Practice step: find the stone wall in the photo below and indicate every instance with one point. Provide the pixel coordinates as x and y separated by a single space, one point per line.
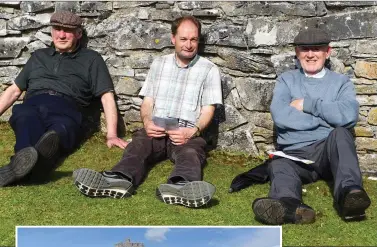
251 42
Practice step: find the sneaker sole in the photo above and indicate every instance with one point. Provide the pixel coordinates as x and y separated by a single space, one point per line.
22 163
272 212
193 194
94 184
48 144
355 205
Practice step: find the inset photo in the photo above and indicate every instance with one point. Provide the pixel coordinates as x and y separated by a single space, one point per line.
173 236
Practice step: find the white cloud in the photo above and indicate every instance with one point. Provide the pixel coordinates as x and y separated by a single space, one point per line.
156 234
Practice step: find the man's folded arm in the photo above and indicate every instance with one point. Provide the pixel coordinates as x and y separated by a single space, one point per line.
9 96
286 116
343 112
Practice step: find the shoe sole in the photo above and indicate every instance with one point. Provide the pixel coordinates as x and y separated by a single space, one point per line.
193 194
21 164
272 212
355 205
48 144
94 184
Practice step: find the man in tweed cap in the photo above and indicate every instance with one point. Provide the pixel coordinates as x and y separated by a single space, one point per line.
180 94
60 82
313 109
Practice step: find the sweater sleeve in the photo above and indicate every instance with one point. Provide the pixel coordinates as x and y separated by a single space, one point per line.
343 112
286 116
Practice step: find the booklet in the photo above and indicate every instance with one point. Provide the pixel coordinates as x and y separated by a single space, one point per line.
166 123
281 154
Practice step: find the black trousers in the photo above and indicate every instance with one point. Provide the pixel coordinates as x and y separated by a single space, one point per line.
335 159
145 151
44 112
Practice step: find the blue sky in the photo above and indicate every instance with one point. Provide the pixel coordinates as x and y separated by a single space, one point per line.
150 236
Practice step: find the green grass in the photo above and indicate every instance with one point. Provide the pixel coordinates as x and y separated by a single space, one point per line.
59 203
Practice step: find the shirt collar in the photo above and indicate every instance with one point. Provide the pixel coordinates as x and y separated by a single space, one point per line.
318 75
192 62
72 54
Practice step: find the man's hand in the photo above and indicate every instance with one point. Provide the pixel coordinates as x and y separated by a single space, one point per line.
153 130
181 135
298 104
115 141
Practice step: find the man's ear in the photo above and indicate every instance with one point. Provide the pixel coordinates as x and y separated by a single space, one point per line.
329 49
172 38
79 33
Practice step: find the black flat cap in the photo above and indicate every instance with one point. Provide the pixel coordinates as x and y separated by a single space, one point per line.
65 19
312 37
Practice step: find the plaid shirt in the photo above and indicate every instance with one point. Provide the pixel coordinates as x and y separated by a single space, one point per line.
180 92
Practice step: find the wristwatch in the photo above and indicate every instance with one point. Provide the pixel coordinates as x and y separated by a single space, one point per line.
197 133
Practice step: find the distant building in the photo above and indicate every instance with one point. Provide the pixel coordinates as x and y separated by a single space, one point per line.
128 243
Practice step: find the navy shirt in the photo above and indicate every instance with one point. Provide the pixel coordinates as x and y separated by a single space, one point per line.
81 74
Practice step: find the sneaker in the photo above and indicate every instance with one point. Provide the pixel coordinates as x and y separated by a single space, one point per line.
190 194
48 144
280 211
20 165
106 184
353 203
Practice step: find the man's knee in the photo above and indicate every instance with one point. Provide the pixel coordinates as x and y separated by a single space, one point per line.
279 166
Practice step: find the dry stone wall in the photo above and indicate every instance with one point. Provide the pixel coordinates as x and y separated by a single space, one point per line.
251 42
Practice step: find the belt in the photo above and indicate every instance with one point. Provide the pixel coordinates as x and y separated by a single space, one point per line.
51 92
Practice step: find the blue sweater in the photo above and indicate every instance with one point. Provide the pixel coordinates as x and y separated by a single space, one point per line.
329 102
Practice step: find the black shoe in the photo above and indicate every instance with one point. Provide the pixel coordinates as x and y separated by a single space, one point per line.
20 165
190 194
48 145
106 184
280 211
353 203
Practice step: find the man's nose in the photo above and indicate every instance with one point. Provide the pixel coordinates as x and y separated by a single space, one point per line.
310 53
61 34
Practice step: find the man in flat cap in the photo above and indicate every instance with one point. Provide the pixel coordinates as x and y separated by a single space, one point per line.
313 109
59 82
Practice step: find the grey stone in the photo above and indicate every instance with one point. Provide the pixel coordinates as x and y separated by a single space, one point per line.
6 13
283 62
162 6
33 46
91 6
121 72
337 65
233 119
206 13
3 27
266 134
164 15
366 46
225 34
255 94
10 3
135 34
26 22
136 101
263 120
227 85
245 62
367 100
366 89
127 86
126 5
237 140
33 7
190 5
350 25
143 14
132 116
9 73
67 6
11 47
46 39
349 3
15 62
368 163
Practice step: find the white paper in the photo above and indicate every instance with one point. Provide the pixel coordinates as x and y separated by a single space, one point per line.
281 154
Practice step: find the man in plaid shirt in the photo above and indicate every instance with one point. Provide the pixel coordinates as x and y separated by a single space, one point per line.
180 94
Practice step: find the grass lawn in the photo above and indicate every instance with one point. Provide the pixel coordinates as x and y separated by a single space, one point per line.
59 203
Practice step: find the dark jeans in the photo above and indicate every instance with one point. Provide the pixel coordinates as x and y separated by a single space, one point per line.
335 159
41 113
145 151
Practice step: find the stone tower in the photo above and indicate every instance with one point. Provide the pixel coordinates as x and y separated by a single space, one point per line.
128 243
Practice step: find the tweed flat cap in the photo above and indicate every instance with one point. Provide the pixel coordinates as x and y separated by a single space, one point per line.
65 19
312 37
